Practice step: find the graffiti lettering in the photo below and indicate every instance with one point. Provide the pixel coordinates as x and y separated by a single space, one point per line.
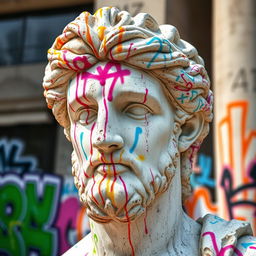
11 159
204 177
28 208
244 79
132 8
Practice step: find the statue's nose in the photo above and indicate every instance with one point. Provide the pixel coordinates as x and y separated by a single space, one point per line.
108 143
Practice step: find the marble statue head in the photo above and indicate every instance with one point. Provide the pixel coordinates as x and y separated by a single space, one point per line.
135 102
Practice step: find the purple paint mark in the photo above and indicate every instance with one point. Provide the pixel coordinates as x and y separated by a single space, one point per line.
66 221
252 247
145 96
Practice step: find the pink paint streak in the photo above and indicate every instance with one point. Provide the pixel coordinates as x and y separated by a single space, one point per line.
145 97
224 249
94 199
91 148
127 216
106 111
102 76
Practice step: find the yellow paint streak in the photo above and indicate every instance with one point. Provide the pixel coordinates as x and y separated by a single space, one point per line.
108 188
98 13
57 54
121 156
101 30
141 157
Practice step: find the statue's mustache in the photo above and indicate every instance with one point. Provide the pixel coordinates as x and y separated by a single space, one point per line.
115 163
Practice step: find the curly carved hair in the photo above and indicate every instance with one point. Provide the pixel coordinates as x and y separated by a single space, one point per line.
111 34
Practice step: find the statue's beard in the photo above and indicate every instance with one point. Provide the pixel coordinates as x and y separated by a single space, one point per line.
125 196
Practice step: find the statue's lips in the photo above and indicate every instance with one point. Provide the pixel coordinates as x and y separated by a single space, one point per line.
111 169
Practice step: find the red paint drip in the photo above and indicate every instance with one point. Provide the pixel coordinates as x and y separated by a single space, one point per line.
127 216
104 177
145 96
86 175
102 158
71 107
95 200
114 168
147 132
79 154
87 117
91 148
129 50
77 85
145 223
153 180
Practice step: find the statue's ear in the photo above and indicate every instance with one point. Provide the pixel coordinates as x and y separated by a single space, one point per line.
190 131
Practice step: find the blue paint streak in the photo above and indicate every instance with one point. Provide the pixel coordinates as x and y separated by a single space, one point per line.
138 131
204 179
217 220
246 245
161 41
189 76
81 142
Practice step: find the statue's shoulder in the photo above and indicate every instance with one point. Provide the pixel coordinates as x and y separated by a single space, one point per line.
82 248
220 237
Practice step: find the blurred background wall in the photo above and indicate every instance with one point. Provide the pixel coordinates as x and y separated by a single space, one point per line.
40 212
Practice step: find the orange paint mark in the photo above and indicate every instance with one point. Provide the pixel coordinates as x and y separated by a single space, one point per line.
120 36
141 157
203 194
101 30
79 223
240 218
88 35
59 43
246 138
104 42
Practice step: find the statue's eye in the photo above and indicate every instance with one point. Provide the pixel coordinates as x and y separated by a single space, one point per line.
137 111
86 116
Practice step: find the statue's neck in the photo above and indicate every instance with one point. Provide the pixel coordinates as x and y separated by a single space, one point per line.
161 231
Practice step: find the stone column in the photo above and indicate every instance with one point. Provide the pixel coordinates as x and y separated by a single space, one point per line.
235 108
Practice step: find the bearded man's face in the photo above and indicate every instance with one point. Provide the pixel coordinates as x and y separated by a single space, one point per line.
121 129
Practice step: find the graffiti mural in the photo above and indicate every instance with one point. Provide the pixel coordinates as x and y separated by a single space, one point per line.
40 213
12 160
203 184
237 180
